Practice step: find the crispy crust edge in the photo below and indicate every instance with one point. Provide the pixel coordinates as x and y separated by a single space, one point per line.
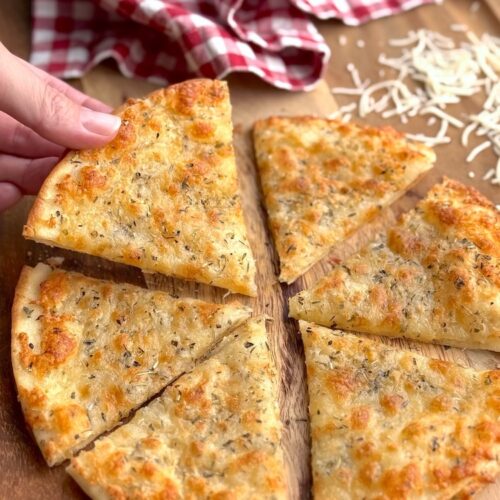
94 491
449 187
21 291
22 287
263 123
295 312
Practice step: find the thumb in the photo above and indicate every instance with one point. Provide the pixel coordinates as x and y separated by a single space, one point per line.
38 104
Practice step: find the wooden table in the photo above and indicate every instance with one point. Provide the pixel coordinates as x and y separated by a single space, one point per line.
23 473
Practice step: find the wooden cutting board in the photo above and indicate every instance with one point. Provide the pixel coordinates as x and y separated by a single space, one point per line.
23 473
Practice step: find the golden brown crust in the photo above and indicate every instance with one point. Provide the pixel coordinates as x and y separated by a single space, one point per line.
462 211
214 433
85 352
323 179
408 427
433 277
162 196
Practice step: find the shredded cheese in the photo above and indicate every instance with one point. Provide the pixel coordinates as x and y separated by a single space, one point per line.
432 71
477 150
488 175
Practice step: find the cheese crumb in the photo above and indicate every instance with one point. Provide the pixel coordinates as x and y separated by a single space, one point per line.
55 261
459 27
475 6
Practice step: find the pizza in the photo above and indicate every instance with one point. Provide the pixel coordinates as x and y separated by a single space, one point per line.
396 425
162 196
323 179
85 352
214 433
433 277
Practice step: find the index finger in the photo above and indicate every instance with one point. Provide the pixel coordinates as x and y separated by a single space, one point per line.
69 91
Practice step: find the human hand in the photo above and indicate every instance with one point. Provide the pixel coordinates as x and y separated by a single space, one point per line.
41 116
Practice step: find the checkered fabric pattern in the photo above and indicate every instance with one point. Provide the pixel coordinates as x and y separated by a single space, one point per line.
166 41
356 12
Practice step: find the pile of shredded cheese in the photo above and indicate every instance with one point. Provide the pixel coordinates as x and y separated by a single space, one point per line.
431 73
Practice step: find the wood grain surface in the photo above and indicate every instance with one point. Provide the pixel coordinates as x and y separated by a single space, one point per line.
23 473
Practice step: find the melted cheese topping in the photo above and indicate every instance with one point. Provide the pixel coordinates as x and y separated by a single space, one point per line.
389 424
86 352
162 196
434 277
214 433
323 179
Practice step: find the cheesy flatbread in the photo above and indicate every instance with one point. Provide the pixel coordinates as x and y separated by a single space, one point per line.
434 277
214 433
86 352
395 425
162 196
323 179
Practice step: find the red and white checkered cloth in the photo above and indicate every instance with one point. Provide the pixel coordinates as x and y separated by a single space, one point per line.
168 41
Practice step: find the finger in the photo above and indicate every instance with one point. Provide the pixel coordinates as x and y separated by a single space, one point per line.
9 195
17 139
68 90
26 173
40 106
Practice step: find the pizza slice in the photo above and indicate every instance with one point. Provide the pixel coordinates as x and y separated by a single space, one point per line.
85 352
434 277
214 433
323 179
396 425
162 196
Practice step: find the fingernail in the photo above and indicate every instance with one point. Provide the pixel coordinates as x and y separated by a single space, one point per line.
99 123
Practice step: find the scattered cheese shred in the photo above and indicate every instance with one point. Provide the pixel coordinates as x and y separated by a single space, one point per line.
432 71
477 150
488 175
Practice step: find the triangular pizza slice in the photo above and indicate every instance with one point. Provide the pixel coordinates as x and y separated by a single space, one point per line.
214 433
397 425
162 196
85 352
323 179
433 277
